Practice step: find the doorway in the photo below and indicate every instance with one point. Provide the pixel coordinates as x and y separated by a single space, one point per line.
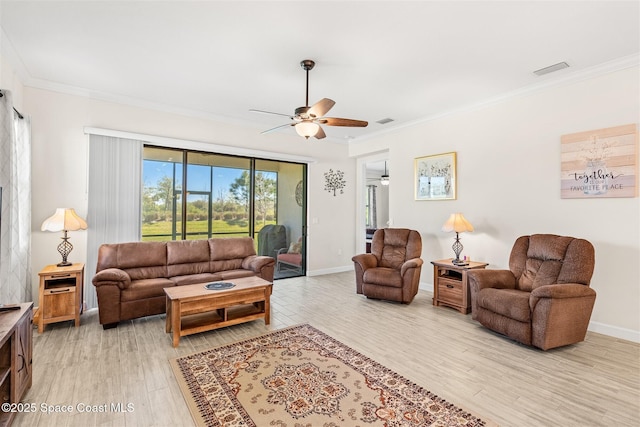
373 193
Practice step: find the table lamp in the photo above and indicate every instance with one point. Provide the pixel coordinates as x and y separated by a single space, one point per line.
459 224
65 219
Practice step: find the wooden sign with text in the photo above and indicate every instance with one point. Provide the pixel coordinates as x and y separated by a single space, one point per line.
600 163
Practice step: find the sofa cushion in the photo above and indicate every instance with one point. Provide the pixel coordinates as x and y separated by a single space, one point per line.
141 260
192 279
383 276
511 303
186 257
235 274
224 265
145 288
231 248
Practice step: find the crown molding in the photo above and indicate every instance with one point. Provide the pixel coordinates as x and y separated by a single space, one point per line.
562 80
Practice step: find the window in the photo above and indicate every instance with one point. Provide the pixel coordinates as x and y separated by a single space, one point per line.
216 195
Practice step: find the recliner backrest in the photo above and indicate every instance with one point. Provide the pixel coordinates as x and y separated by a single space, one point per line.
393 246
544 259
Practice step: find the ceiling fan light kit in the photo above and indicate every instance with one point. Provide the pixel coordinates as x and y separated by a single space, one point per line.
307 119
307 129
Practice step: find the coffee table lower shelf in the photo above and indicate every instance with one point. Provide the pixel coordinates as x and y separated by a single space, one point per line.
207 321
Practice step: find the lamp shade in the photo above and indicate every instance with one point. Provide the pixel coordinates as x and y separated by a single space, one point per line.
307 128
458 223
64 219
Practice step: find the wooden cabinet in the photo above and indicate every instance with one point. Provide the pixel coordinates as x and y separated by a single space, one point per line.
450 286
60 296
15 357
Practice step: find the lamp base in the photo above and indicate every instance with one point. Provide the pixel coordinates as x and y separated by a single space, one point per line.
64 248
457 249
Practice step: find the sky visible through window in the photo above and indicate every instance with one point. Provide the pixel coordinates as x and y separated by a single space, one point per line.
154 171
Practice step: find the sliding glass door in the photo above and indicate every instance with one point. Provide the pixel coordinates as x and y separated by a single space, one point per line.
226 196
280 215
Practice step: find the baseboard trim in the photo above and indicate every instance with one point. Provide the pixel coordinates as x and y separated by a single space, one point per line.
424 286
332 270
614 331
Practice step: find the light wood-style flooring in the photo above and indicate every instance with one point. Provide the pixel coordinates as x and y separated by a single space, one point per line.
594 383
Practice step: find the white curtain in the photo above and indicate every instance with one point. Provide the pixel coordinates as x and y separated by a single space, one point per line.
15 216
113 216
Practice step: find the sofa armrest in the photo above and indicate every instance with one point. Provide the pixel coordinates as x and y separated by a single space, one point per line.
112 276
500 279
256 263
365 261
412 263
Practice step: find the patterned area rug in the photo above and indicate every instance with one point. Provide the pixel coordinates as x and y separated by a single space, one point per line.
301 377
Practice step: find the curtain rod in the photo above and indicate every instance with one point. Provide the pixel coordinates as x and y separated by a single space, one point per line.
20 116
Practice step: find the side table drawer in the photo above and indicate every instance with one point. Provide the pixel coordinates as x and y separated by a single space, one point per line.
59 301
450 290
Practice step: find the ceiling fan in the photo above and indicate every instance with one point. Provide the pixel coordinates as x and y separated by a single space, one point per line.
307 119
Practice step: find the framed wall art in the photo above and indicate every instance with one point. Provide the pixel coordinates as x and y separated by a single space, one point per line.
435 177
600 163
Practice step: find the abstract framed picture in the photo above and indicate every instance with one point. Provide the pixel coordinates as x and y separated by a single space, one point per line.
600 163
435 177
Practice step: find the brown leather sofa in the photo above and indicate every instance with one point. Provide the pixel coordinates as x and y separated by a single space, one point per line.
392 270
544 299
131 277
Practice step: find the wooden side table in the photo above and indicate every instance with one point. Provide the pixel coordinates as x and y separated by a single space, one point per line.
60 296
450 286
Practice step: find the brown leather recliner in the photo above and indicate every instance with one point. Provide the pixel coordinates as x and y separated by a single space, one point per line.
544 299
392 270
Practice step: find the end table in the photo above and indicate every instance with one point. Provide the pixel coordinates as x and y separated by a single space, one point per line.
60 296
450 286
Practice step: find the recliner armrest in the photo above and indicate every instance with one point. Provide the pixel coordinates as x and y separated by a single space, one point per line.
412 263
112 276
563 290
501 279
365 261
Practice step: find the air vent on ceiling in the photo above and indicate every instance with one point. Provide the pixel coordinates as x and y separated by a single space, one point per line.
385 121
551 68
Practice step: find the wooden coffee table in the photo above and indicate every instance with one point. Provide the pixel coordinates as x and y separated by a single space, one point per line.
193 308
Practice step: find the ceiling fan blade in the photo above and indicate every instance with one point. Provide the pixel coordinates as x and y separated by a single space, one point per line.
276 128
321 107
320 134
271 112
335 121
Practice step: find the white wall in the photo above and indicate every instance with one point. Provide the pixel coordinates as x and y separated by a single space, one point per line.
9 80
509 185
60 154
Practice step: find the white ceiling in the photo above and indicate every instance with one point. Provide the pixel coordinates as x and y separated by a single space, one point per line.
377 59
